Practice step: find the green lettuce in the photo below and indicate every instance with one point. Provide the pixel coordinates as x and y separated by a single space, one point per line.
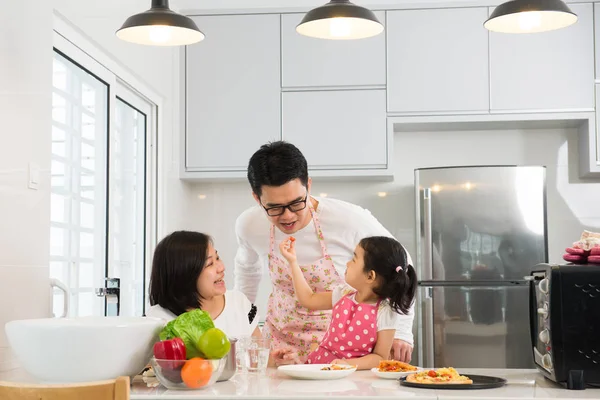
189 327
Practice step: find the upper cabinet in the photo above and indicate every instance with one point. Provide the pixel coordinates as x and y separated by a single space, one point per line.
233 98
310 62
597 38
338 129
550 71
437 61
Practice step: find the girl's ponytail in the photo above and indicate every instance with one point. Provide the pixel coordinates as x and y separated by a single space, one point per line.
397 279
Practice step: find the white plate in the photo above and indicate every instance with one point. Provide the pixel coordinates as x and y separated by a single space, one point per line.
393 375
313 371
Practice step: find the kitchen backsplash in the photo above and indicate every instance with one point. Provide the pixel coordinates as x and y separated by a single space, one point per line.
213 208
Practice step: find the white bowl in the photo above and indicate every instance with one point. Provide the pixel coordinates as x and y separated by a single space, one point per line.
66 350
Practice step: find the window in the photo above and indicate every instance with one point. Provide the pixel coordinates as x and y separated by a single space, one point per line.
101 178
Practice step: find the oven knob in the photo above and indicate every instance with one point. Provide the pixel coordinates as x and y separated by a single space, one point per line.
544 336
544 285
547 361
543 310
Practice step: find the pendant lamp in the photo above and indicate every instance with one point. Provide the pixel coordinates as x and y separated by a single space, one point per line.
340 20
530 16
159 26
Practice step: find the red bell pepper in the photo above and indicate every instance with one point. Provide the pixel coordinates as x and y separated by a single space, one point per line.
173 350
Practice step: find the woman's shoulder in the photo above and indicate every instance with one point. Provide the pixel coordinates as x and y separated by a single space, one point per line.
157 311
233 296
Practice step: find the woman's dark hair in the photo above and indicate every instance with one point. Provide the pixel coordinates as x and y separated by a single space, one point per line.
275 164
178 260
384 255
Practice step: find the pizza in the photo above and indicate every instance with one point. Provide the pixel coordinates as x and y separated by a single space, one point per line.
395 366
439 376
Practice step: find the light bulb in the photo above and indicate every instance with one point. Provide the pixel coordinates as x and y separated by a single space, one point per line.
159 34
340 27
530 20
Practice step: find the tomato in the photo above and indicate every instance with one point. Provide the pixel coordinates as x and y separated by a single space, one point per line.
196 372
431 373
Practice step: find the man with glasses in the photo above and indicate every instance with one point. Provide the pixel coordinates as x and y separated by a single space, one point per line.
326 232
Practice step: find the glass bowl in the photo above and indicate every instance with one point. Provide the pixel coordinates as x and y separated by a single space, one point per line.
191 374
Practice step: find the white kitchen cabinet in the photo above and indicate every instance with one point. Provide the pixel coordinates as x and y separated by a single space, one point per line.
337 130
310 62
549 71
597 38
589 145
437 61
233 97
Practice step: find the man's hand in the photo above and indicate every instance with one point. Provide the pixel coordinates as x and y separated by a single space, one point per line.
401 351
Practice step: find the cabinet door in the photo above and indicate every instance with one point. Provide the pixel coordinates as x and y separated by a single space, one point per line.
310 62
549 71
597 37
437 60
343 129
233 99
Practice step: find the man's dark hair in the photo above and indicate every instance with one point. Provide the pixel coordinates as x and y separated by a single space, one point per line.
275 164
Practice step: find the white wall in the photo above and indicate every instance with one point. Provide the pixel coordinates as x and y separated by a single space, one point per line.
25 112
25 107
571 202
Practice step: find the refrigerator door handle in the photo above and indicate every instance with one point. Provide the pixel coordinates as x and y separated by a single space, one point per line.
428 342
487 283
427 270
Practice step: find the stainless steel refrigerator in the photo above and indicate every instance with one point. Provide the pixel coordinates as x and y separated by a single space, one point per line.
479 231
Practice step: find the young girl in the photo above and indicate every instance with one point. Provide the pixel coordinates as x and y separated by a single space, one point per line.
381 285
187 273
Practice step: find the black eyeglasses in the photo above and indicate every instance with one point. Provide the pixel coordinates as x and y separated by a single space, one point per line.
293 207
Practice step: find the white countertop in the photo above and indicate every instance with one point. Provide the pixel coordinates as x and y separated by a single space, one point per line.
522 384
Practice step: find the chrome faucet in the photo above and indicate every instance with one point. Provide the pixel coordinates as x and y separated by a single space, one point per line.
112 296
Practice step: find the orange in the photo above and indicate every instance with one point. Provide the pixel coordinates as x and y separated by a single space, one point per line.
196 372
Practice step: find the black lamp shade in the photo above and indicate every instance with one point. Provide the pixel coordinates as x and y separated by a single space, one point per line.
160 26
530 16
340 20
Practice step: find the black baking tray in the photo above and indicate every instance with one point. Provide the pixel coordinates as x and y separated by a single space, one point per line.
479 382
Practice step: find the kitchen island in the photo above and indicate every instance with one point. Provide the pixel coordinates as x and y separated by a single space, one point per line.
522 384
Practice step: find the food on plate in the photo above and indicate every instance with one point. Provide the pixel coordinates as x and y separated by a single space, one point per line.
439 376
337 367
395 366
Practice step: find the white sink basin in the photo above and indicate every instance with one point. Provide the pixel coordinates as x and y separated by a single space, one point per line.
66 350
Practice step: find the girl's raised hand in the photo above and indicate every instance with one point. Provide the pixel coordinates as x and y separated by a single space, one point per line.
287 249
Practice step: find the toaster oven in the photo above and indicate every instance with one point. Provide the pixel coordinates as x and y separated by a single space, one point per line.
564 313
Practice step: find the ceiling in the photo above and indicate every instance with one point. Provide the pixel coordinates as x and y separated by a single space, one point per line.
190 5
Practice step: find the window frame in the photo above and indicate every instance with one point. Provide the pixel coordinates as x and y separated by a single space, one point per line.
74 45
